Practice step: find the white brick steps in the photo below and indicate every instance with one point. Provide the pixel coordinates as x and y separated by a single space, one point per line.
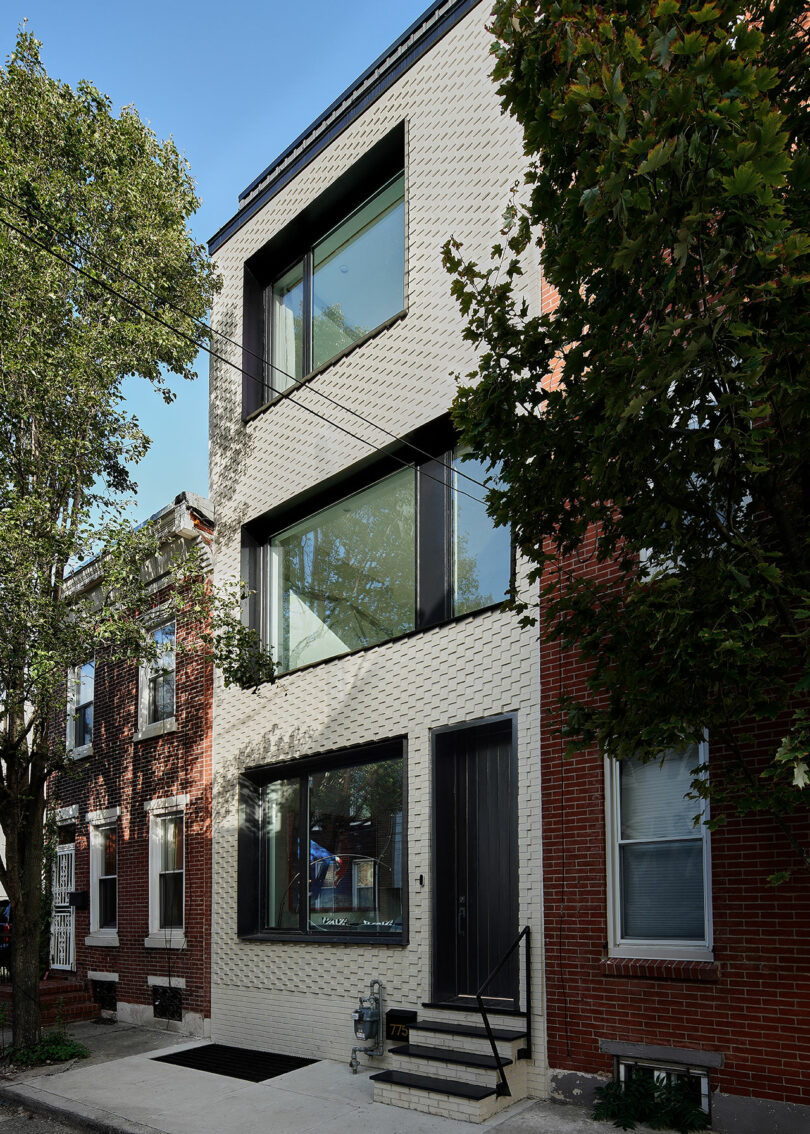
437 1086
479 1031
451 1070
448 1055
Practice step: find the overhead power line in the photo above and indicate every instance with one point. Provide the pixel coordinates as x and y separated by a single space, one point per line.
214 331
221 358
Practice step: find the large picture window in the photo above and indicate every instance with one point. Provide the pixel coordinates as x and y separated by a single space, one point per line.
331 847
345 578
660 868
406 552
343 287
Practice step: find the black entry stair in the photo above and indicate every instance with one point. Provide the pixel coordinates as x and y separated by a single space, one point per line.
438 1086
448 1067
447 1055
505 1034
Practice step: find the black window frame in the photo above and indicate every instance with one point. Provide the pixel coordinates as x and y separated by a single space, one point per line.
368 176
306 260
433 542
251 857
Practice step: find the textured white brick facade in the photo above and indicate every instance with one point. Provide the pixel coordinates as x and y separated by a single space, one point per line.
461 158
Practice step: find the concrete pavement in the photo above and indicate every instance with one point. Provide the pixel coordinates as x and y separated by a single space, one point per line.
122 1090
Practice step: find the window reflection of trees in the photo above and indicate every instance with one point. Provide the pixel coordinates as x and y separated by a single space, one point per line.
354 570
354 873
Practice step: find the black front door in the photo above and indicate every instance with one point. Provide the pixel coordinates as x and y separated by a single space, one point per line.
475 862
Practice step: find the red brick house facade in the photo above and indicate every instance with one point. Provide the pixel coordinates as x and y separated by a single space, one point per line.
734 1008
132 882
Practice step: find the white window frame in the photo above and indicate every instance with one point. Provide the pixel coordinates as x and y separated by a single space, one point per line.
73 677
174 938
663 1073
640 948
146 728
99 821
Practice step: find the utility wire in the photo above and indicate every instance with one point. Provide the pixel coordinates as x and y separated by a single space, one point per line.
221 358
233 342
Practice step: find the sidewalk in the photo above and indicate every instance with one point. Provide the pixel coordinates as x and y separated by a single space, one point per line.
122 1090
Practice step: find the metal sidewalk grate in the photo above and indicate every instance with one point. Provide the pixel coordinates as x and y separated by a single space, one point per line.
236 1062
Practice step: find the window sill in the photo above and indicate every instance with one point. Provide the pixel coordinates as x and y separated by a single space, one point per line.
82 752
156 728
648 968
276 398
102 940
166 939
322 938
456 618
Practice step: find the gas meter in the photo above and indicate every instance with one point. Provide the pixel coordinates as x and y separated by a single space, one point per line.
366 1019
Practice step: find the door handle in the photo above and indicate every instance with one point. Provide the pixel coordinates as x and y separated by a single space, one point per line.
462 917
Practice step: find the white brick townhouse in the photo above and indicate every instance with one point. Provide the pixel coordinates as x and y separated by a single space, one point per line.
377 809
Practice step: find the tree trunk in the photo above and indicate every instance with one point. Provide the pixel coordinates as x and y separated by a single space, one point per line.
24 850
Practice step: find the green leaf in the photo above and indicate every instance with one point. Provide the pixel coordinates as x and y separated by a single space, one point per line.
709 12
658 156
745 180
633 45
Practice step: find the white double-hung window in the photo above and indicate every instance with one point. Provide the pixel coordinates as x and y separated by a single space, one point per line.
156 692
167 873
80 695
103 877
658 857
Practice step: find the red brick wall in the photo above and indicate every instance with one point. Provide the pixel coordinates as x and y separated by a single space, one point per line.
753 1004
126 774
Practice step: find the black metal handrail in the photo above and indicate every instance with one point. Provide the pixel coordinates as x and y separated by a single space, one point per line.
525 1052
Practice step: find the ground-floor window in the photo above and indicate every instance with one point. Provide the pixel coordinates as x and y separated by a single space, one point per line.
330 845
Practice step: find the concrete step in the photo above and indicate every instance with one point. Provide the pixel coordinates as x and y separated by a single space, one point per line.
430 1094
448 1055
468 1037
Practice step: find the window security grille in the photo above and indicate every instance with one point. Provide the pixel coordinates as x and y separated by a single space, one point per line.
105 994
167 1003
695 1078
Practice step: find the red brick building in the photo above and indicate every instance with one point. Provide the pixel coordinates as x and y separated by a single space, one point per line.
665 947
132 883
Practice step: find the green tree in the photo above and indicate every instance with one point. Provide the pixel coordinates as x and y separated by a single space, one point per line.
81 189
665 403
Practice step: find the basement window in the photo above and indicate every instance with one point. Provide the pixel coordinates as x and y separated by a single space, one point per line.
167 1003
695 1079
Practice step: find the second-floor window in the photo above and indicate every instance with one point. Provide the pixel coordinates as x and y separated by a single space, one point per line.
160 676
81 692
411 550
344 286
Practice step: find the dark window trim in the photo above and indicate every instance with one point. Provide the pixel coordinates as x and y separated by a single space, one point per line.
291 390
436 437
250 880
492 609
433 542
355 101
369 174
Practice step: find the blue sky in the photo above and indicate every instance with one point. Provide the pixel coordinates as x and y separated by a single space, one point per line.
234 84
